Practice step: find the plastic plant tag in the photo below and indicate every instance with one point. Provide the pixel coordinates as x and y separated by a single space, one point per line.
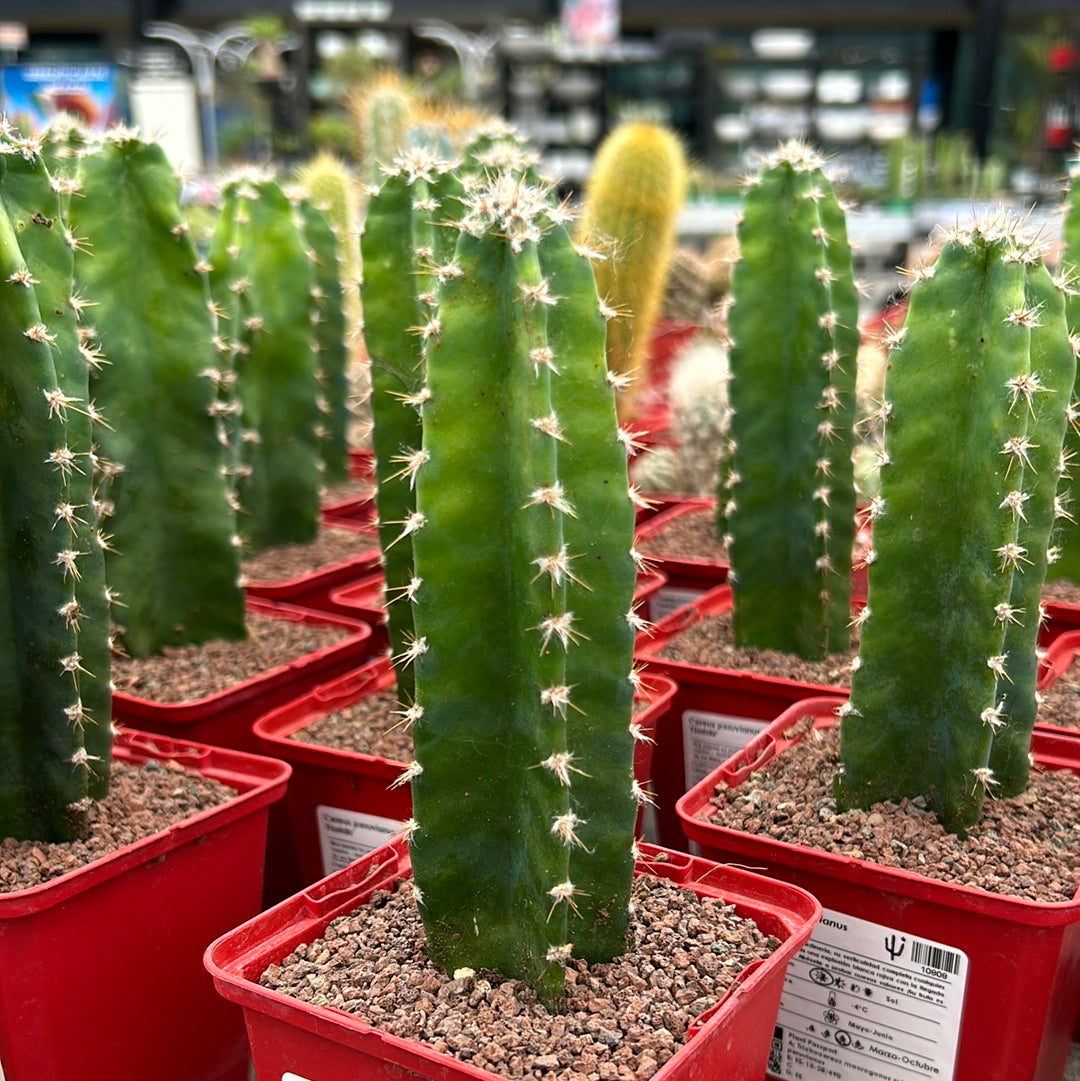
861 999
711 738
670 599
346 835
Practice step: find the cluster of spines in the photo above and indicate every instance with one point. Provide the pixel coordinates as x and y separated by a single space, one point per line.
786 504
976 407
512 249
56 733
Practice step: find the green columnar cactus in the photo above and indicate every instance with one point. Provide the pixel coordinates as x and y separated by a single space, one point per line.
328 342
788 500
976 401
632 196
1065 557
505 785
54 752
592 463
261 279
27 187
178 583
402 250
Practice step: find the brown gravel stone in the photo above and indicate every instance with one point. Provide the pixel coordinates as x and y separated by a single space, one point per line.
188 673
691 535
374 964
285 562
1028 846
142 800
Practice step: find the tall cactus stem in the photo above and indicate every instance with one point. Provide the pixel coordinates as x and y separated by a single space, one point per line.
787 502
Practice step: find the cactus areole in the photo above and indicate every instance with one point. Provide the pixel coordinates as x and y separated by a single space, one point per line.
943 692
523 791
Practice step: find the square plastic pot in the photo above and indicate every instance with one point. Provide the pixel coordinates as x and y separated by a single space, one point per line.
341 803
224 718
717 710
101 975
293 1040
710 572
312 589
963 985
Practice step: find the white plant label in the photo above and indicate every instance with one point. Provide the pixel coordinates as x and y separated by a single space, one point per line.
345 836
710 738
287 1076
670 599
862 1001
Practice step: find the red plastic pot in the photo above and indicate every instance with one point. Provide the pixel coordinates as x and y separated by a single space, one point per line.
356 511
716 710
964 985
312 589
290 1039
682 562
342 803
100 969
1059 656
1059 618
224 719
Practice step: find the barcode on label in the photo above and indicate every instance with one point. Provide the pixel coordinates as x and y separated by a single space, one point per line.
776 1051
922 953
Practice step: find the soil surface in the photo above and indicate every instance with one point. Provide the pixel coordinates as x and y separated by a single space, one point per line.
1027 846
142 800
690 535
622 1021
371 725
346 491
368 726
285 562
188 673
710 641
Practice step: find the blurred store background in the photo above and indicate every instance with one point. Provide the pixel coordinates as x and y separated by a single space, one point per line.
947 95
924 107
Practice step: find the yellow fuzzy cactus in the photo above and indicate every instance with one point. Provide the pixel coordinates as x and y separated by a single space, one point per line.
633 194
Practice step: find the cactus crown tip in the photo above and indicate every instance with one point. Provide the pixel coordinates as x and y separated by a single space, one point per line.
801 155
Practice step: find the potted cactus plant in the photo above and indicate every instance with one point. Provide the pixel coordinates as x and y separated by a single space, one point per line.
64 771
522 855
943 698
342 801
163 373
